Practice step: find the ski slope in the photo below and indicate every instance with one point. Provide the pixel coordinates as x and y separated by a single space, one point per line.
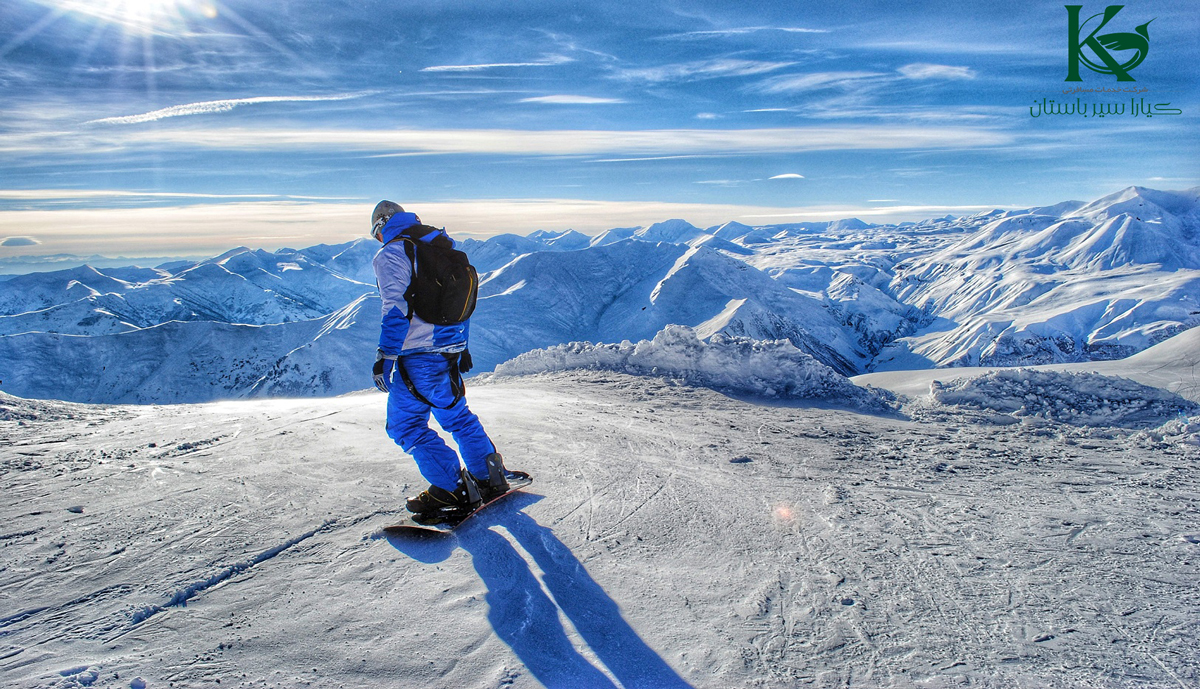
675 536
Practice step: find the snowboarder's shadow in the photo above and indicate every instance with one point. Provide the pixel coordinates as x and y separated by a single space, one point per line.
527 619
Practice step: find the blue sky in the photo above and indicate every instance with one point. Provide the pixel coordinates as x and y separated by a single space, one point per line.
154 127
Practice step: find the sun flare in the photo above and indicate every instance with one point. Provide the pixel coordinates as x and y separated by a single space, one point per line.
144 15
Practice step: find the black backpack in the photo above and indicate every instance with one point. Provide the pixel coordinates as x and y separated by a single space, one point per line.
444 284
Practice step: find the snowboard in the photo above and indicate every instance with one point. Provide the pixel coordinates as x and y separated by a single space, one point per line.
446 523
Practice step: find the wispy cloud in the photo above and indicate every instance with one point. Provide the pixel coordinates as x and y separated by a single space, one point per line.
571 100
641 159
57 198
861 81
890 213
922 70
740 31
651 142
789 83
547 62
215 106
705 69
212 228
941 46
185 229
787 175
961 114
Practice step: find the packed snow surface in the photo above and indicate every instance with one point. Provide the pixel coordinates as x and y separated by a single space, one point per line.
732 364
673 537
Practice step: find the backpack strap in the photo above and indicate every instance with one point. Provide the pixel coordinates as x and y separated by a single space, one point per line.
456 381
410 294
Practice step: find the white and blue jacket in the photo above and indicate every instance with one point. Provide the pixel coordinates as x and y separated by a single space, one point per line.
401 336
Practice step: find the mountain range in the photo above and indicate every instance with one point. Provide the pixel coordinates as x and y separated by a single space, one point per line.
1065 283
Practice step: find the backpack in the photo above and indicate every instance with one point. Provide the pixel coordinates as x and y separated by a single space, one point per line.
444 284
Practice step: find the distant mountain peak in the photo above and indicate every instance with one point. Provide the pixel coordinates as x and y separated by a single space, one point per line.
230 254
675 231
1142 203
849 224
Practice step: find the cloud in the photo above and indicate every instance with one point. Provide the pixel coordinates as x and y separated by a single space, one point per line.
81 196
19 241
652 142
215 106
884 213
787 175
571 100
922 70
790 83
707 69
936 46
741 31
860 81
548 62
210 228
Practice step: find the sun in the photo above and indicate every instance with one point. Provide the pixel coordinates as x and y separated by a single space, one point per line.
142 15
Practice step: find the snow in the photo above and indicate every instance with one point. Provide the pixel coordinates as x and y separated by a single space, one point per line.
1172 365
1088 399
674 536
633 289
771 369
1102 281
714 504
675 230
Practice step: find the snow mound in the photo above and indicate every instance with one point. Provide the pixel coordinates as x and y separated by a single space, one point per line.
1081 399
739 365
13 408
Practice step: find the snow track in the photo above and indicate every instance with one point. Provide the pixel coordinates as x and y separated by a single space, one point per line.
674 537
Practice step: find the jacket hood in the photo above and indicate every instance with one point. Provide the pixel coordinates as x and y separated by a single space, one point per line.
402 221
399 223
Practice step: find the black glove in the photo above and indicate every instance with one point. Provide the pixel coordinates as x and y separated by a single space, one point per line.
382 371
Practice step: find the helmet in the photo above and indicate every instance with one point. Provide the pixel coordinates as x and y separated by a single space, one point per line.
383 212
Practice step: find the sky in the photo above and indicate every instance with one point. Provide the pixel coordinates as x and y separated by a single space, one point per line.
187 127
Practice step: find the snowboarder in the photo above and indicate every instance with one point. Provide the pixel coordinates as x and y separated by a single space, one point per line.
420 364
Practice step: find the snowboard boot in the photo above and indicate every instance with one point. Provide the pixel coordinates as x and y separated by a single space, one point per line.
496 483
439 500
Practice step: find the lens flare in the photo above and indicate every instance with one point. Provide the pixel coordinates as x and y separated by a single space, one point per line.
784 513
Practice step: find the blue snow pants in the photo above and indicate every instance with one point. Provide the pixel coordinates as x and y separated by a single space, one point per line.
408 422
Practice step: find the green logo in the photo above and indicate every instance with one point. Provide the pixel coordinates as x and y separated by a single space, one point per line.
1100 45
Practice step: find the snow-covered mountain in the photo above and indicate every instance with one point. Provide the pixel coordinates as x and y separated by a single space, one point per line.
1102 281
195 361
632 289
241 286
1070 282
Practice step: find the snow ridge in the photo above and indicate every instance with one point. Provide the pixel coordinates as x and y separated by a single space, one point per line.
740 365
1082 399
